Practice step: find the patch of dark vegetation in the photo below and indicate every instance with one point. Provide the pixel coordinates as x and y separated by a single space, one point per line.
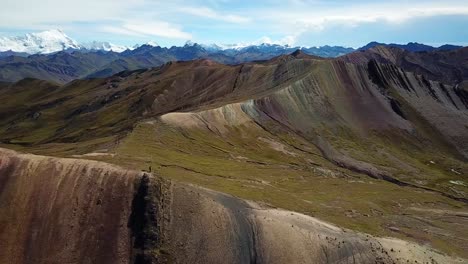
111 98
33 115
127 73
396 107
137 105
144 223
48 105
98 104
12 142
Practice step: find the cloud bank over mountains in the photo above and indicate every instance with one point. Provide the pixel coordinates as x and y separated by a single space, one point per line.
292 22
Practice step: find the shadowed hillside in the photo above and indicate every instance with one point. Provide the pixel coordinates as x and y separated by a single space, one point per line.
446 66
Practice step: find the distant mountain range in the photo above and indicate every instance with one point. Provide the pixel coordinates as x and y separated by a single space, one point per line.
52 55
411 46
67 65
55 40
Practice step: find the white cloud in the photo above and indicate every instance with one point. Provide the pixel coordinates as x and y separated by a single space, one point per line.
111 16
32 13
212 14
154 28
285 20
119 31
287 40
353 16
303 17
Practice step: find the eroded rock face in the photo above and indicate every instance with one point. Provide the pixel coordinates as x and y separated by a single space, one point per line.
77 211
63 210
448 67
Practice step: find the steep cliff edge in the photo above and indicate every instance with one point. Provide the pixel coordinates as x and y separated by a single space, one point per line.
79 211
63 210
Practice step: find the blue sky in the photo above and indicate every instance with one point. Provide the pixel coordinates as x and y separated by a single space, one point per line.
294 22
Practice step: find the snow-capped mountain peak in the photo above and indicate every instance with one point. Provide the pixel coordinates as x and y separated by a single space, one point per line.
43 42
53 41
104 46
149 43
152 44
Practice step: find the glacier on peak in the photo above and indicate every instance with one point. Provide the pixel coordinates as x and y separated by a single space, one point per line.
42 42
55 40
104 46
